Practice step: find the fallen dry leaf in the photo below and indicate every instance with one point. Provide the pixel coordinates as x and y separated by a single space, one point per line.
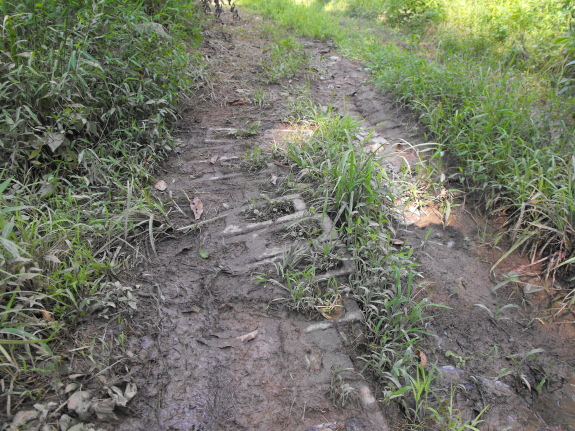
422 357
214 159
46 315
238 102
161 185
222 340
247 337
197 208
274 179
280 164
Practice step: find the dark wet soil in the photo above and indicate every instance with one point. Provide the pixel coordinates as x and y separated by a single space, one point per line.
209 348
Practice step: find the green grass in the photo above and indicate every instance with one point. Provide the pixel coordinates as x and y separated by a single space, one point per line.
90 92
493 82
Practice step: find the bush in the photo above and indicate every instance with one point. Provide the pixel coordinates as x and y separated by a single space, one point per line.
414 12
95 80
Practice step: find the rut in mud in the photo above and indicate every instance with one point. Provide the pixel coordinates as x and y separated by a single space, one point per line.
210 348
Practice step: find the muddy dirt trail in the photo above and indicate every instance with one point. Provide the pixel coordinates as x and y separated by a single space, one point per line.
212 349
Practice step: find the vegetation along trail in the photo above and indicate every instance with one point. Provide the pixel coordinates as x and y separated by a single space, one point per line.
297 214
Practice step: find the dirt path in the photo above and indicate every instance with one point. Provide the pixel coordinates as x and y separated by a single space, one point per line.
215 350
212 349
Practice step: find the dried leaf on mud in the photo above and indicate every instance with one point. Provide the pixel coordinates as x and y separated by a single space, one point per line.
70 387
104 410
80 403
54 140
197 208
214 159
280 164
122 398
238 102
161 185
530 288
247 337
220 342
274 179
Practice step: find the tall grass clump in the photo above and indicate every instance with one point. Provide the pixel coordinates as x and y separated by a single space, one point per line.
89 92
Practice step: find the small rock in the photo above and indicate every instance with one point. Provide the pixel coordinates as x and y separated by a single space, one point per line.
450 373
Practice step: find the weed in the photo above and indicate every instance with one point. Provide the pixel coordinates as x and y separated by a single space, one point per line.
518 360
286 59
447 418
495 315
341 392
250 129
259 97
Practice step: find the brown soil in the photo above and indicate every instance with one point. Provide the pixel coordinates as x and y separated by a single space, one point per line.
209 348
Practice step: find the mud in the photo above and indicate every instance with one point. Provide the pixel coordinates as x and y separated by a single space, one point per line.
209 348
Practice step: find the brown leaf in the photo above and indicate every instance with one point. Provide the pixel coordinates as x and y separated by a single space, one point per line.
280 164
197 208
161 185
238 102
422 357
247 337
222 340
46 315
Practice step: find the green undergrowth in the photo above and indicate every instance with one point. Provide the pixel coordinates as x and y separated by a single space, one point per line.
89 92
493 82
